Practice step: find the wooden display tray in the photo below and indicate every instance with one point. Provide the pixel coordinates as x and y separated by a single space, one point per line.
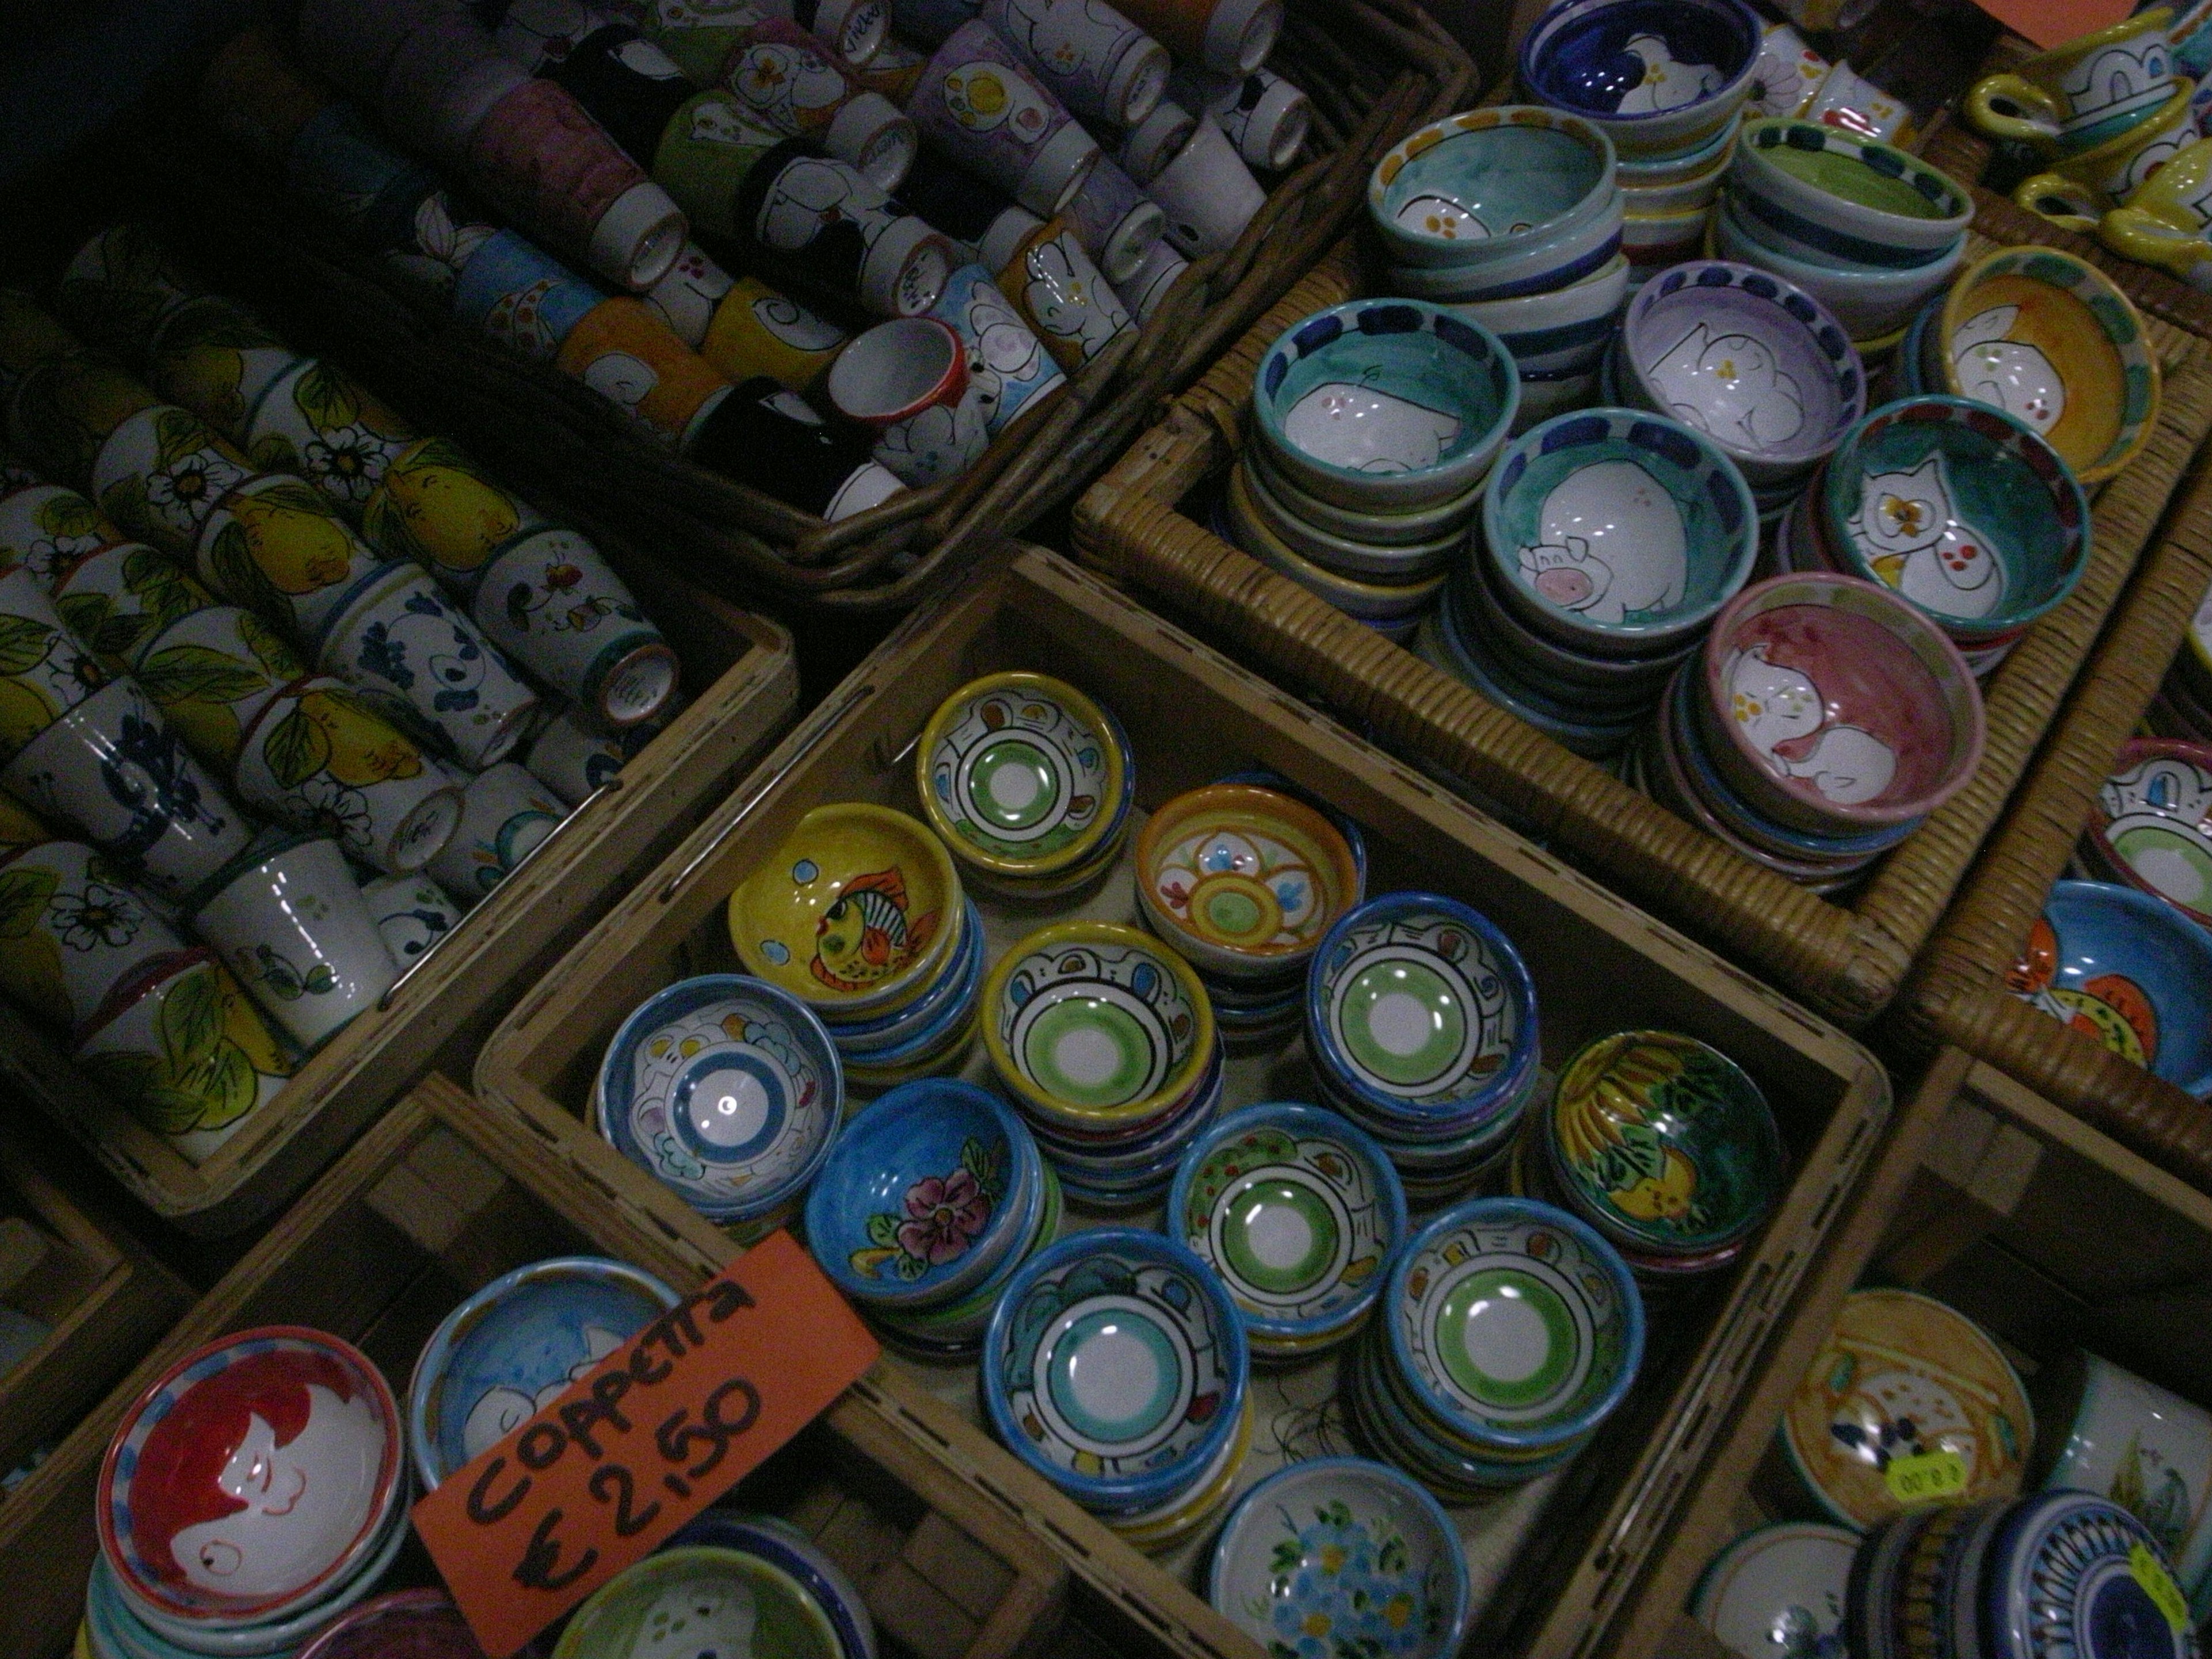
1849 961
1599 964
739 671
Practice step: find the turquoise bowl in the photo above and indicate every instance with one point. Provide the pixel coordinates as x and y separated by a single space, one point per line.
1385 406
2123 967
1488 186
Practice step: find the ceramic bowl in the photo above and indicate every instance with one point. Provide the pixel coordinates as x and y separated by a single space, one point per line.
1656 76
1831 705
1023 775
1383 404
1553 259
2124 968
1514 1324
1248 498
909 1030
1486 186
1871 305
1383 1424
511 1347
1710 154
730 1601
1618 532
855 914
1350 1546
2074 1568
1095 1024
1243 880
1756 364
922 1195
417 1624
1442 643
1664 1144
790 1551
1115 1366
1960 509
115 1625
1560 330
2152 828
1694 193
1902 1374
1483 612
1381 534
1379 601
178 1541
1156 1531
2052 341
1822 194
727 1089
1789 1576
1651 239
1299 1212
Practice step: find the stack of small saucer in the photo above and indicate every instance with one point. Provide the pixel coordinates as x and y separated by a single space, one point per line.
1421 1028
1508 1332
1106 1041
933 1197
1029 784
1243 881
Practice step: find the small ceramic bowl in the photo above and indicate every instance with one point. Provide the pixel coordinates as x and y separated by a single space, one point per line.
1483 612
1831 705
184 1548
2048 338
1115 1366
1514 1324
1826 195
2152 829
785 1548
1618 532
1710 155
511 1347
1157 1530
725 1088
418 1624
2061 1568
730 1601
855 912
1664 1144
1488 184
1651 239
1385 404
909 1030
2126 968
1793 1576
1023 775
1350 1546
1383 533
1656 76
1871 305
1753 362
1244 881
115 1625
1694 193
1384 1424
1369 601
1095 1024
1442 643
1300 1213
1561 329
1553 259
921 1196
1248 498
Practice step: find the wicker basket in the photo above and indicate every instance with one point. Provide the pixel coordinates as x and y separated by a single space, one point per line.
1847 961
1373 68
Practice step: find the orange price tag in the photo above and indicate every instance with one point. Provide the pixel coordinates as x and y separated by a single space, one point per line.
655 1433
2050 23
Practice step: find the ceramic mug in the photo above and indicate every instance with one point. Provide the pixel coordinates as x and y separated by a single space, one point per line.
2163 223
941 442
276 546
2130 1440
897 369
211 356
321 425
514 292
1144 291
1229 37
1156 141
47 529
45 671
71 929
757 331
1116 222
2076 190
895 70
1848 100
444 81
790 84
114 601
709 147
1006 361
701 34
1209 194
983 109
1261 114
1786 75
842 231
291 925
211 672
412 915
505 813
403 639
687 298
319 757
62 409
2070 97
625 353
1060 295
549 601
160 475
112 766
576 758
1103 67
440 509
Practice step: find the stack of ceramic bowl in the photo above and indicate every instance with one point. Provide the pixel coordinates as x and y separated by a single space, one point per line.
1348 1547
1666 81
782 1545
1512 216
2151 827
1753 363
1106 1041
1300 1213
1663 1145
1115 1366
1374 425
728 1091
860 915
757 1588
1509 1331
2129 970
1421 1028
1823 719
1029 782
511 1346
1793 1576
1608 540
1867 229
190 1563
1957 508
2052 341
933 1197
1243 881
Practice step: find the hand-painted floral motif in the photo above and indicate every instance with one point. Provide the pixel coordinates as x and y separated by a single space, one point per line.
1344 1587
941 1219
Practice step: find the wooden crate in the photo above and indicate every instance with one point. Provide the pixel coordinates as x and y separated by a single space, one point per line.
1848 960
1599 965
2045 1232
739 671
427 1207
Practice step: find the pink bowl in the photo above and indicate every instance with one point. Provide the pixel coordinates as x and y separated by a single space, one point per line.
1835 706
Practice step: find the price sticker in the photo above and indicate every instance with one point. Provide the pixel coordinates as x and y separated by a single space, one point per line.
1925 1477
651 1434
2147 1569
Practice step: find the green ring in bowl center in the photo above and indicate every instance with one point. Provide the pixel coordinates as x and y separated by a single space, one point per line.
1015 785
1090 1051
1507 1339
1279 1235
1404 1021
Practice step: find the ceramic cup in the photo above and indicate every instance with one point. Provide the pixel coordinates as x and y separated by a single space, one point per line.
45 673
1266 116
505 813
551 602
979 105
628 1612
1655 76
1007 365
436 506
2163 223
790 84
321 425
159 474
412 913
211 672
766 436
2078 188
71 929
897 369
290 923
1848 100
1208 193
278 547
1042 268
49 529
757 331
1786 75
828 220
1106 70
1116 222
1228 37
63 403
700 37
2074 95
115 599
1156 141
1148 288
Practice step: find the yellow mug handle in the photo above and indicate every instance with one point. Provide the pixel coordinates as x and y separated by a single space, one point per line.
2006 107
2136 233
2066 202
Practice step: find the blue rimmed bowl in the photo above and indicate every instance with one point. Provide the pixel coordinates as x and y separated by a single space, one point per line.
1562 331
1831 196
929 1015
1443 642
1871 305
1385 405
783 1546
727 1090
2124 968
1553 260
1492 187
1115 1366
1658 78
